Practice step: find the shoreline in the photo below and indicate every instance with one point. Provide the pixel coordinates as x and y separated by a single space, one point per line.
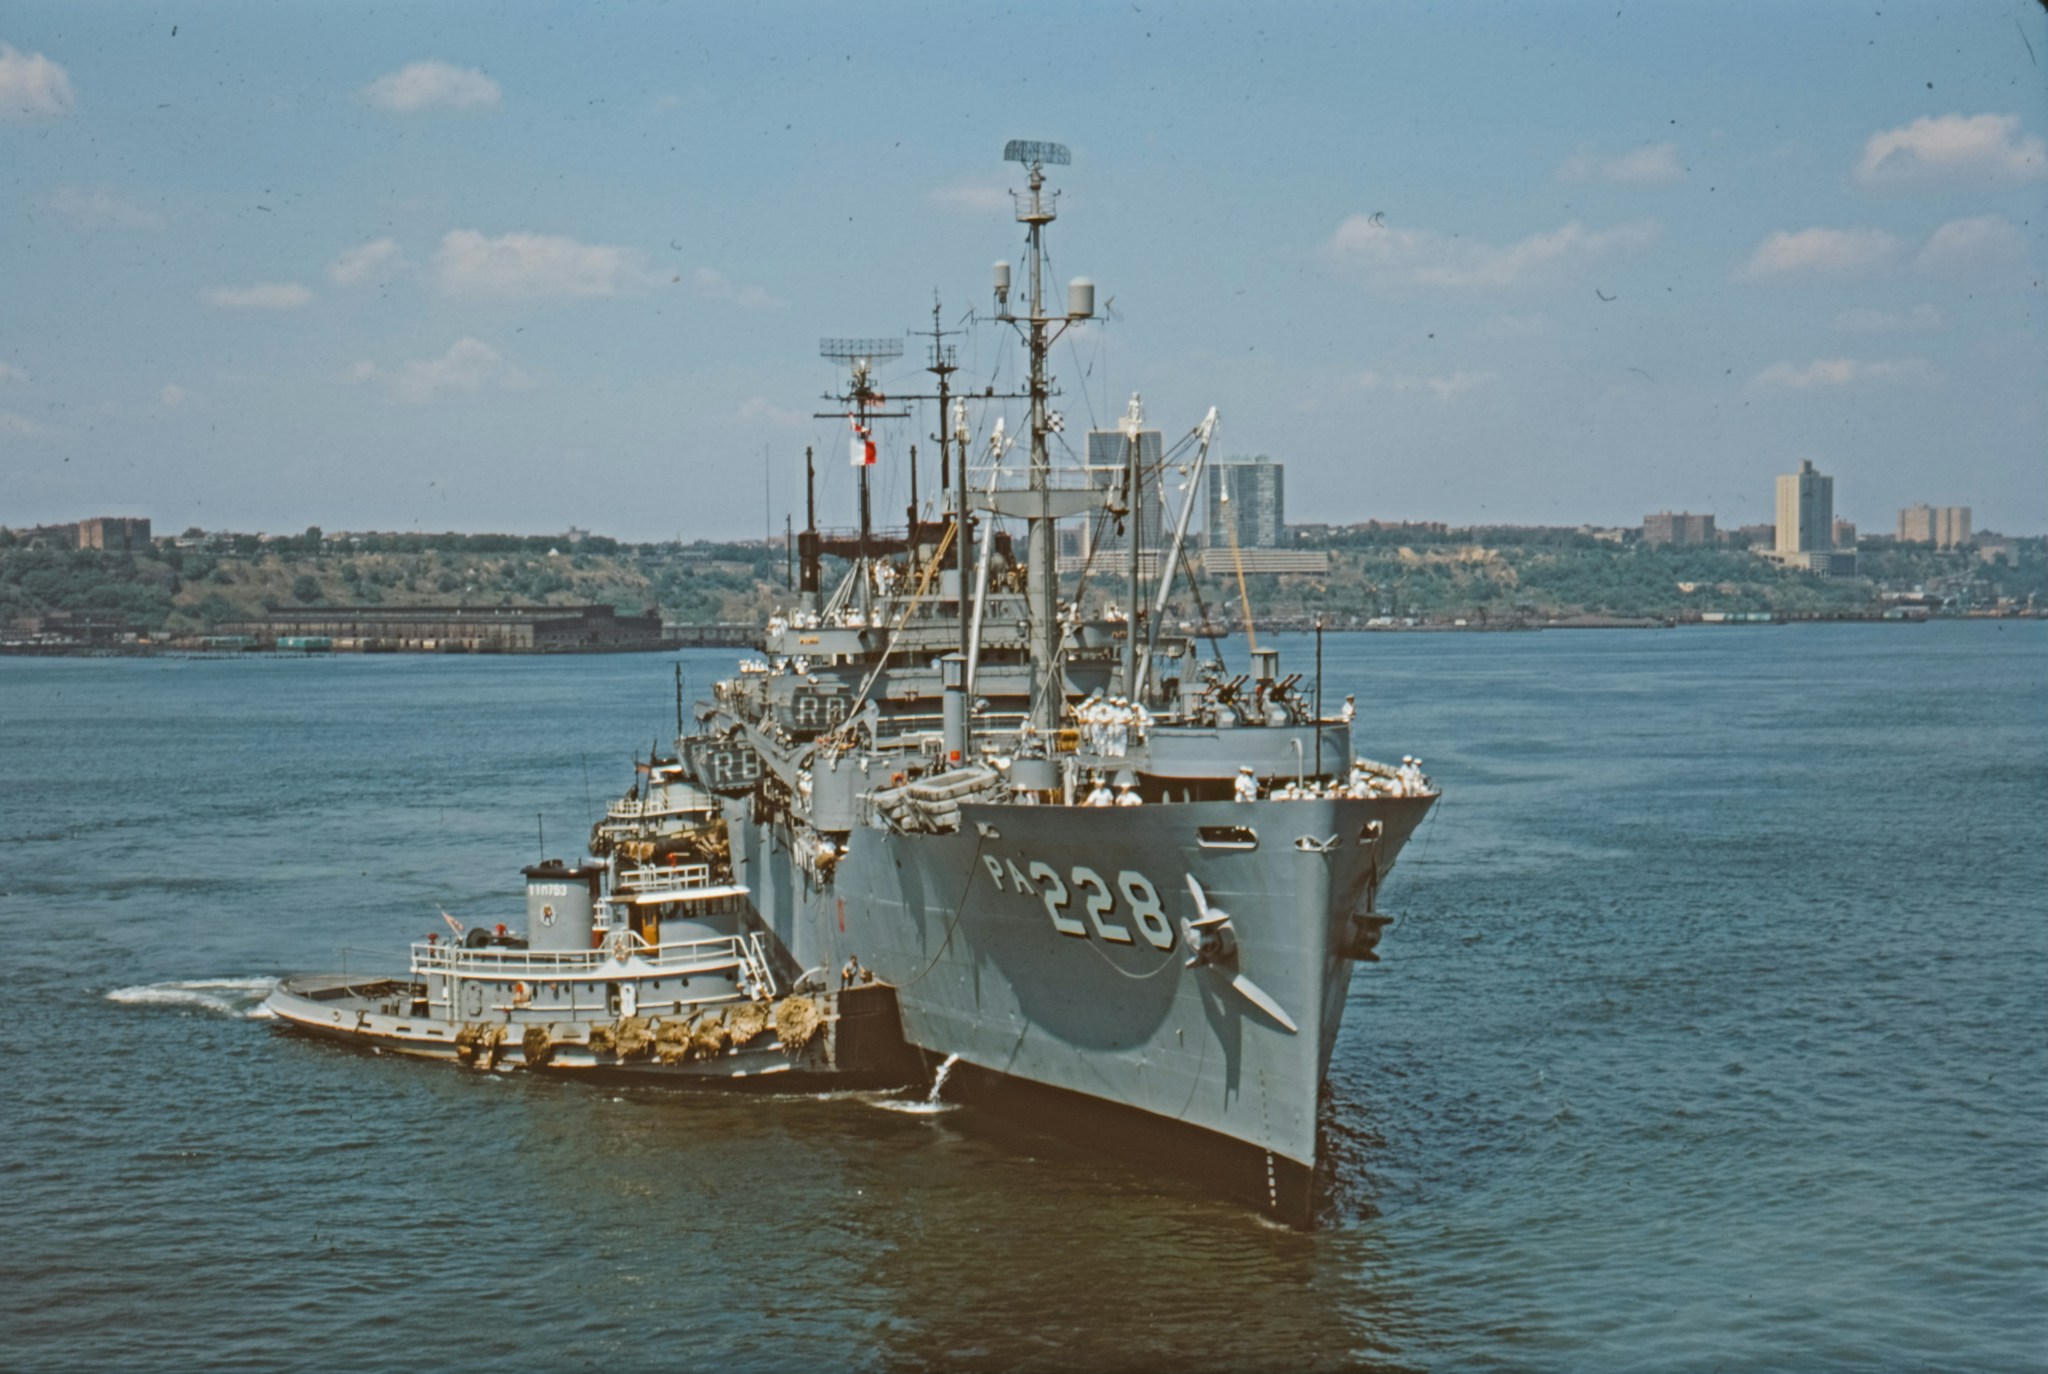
1756 620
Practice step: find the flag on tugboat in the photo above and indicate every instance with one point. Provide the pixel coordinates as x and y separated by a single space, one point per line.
863 444
453 924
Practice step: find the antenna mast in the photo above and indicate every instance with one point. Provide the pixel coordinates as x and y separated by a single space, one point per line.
1048 699
950 435
862 402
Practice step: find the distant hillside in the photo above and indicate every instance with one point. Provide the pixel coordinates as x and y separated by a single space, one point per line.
1482 577
189 590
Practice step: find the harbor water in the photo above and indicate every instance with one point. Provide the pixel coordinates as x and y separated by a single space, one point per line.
1711 1035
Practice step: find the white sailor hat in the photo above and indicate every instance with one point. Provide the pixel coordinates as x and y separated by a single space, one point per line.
1244 768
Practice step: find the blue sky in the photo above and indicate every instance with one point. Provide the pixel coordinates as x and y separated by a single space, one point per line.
518 267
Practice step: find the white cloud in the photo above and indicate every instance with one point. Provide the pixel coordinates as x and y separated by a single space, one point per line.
468 365
1424 257
1865 320
375 261
1442 388
21 427
99 209
1984 245
1654 164
9 373
716 286
970 198
31 85
432 85
758 410
264 295
519 266
174 396
1953 148
1819 252
1843 372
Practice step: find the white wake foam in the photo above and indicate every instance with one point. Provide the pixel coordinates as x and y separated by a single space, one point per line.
221 996
915 1108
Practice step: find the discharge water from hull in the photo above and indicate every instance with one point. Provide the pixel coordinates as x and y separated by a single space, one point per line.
240 997
939 1079
931 1104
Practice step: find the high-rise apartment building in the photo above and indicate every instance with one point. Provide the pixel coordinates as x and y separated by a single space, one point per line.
1951 527
1256 507
114 532
1667 527
1806 511
1945 527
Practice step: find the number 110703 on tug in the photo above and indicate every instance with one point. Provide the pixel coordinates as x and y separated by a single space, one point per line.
948 812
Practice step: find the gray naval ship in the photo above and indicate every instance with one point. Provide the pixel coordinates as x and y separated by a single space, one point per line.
957 813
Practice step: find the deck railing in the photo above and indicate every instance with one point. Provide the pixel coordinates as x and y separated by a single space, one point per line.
680 882
623 954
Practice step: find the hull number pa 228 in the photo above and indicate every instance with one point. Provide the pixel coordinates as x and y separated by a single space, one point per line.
1101 916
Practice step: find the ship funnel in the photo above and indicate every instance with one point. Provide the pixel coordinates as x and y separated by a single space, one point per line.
1002 282
1080 299
561 904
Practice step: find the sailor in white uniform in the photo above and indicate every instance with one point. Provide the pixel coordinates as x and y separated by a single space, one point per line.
1247 789
1127 795
1088 715
1119 731
1100 796
1350 711
1410 778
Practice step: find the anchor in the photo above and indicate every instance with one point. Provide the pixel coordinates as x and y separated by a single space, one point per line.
1214 942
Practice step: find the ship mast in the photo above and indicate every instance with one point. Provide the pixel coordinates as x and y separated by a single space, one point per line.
1134 498
1041 510
862 404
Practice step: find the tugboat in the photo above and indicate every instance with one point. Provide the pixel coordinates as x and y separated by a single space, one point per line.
651 966
1038 838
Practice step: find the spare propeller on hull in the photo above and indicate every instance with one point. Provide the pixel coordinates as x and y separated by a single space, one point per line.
1214 942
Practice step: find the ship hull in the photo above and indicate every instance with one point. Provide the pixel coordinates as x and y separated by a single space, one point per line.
1044 946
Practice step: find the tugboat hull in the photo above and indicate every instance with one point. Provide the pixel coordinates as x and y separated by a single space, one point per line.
856 1038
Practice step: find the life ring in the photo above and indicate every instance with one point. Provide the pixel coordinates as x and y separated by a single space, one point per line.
622 946
521 995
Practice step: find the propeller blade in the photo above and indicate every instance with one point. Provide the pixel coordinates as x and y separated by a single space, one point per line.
1258 997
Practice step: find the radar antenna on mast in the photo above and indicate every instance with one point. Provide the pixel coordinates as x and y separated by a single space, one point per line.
1028 151
860 354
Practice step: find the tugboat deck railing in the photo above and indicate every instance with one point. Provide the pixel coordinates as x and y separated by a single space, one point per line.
672 883
627 811
624 955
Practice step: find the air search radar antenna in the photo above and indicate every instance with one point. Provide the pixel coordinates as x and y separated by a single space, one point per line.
860 355
1028 151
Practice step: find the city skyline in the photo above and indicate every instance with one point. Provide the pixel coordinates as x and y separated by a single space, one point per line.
267 269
